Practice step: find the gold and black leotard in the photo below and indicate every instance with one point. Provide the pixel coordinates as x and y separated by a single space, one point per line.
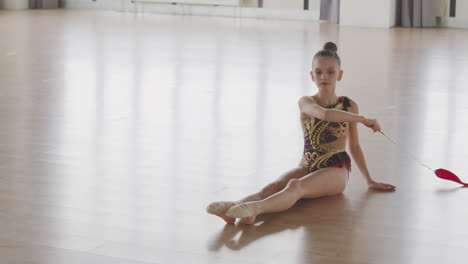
325 141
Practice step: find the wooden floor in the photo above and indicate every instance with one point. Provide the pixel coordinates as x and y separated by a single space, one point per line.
117 130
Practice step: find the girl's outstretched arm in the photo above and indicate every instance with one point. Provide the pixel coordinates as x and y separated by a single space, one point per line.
311 108
358 155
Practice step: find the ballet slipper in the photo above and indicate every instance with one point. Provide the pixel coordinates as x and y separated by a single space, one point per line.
219 209
239 211
216 208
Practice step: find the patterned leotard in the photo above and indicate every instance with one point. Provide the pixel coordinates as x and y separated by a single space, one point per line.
325 141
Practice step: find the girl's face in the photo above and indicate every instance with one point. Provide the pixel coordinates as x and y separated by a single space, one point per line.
326 72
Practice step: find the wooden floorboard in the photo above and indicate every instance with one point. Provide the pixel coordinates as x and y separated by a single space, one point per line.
117 130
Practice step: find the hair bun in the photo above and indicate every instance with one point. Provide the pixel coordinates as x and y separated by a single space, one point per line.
330 46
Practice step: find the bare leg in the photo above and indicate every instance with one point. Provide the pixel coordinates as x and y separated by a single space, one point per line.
324 182
220 208
276 186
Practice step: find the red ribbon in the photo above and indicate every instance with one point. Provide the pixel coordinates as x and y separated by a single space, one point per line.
448 175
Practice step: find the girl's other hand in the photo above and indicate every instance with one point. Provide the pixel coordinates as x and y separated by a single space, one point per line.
372 124
381 186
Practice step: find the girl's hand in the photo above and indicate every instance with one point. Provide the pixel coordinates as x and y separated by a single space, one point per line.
372 124
381 186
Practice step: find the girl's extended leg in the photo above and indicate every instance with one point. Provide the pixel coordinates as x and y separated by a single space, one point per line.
220 208
324 182
276 186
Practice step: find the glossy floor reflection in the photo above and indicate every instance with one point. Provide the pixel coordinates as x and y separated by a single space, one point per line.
117 130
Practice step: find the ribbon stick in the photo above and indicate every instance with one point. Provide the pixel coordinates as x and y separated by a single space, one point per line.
441 173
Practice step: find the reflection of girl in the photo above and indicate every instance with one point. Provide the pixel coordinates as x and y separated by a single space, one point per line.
328 123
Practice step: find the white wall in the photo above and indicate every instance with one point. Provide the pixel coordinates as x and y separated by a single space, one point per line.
284 9
351 11
392 15
282 4
250 3
14 4
462 10
461 15
368 13
289 4
273 4
314 4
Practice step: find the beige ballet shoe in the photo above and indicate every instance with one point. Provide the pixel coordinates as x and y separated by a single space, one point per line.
215 208
239 211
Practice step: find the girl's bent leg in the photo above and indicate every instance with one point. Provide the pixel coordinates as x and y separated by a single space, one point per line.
324 182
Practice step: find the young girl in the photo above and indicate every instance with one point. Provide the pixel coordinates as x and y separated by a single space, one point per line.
328 122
